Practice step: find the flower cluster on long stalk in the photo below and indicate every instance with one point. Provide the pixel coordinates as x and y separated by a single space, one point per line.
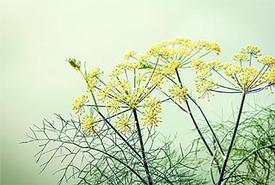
118 116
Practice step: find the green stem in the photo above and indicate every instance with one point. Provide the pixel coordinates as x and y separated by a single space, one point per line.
232 140
93 96
144 161
117 132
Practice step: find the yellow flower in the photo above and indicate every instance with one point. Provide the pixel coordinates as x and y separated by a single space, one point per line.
129 54
203 81
93 77
241 57
74 63
79 103
171 49
208 46
270 75
126 65
247 76
182 41
216 65
232 70
113 105
143 57
124 123
178 92
152 109
204 85
251 50
88 123
197 64
269 60
170 68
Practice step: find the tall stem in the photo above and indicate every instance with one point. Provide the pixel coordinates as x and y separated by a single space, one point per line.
208 124
117 132
144 161
192 117
198 129
232 140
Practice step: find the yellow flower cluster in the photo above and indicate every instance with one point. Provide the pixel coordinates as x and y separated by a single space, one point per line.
197 64
246 77
178 93
170 68
241 57
79 102
232 70
127 86
152 109
251 50
119 93
270 75
127 65
129 54
208 46
268 60
131 82
236 77
215 65
180 48
88 123
93 78
76 64
124 123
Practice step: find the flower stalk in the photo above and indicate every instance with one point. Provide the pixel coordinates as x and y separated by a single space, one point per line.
232 140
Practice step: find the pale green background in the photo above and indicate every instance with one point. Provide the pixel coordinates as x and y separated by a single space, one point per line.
36 37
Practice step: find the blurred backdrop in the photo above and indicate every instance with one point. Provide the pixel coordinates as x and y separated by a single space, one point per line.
36 38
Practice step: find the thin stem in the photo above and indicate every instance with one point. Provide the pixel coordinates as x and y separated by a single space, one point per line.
117 132
193 119
209 125
144 161
198 129
93 96
232 140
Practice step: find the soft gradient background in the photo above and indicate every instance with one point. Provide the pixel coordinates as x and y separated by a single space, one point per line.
36 37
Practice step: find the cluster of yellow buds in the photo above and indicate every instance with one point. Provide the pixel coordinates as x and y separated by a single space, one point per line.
129 54
178 92
251 50
152 109
241 57
79 102
268 60
88 123
270 75
93 78
124 123
208 46
236 77
131 82
180 48
169 69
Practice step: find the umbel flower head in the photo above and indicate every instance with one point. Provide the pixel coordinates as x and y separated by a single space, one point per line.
124 123
178 52
152 109
128 87
89 123
79 103
251 72
174 55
